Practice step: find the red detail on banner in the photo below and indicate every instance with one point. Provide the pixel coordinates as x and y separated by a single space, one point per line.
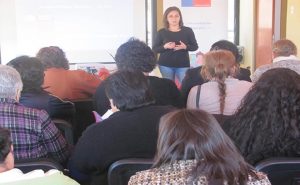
201 2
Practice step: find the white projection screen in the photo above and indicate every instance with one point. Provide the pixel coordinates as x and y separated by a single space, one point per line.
87 30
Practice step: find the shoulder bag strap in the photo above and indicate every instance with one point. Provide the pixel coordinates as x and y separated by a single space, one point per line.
198 96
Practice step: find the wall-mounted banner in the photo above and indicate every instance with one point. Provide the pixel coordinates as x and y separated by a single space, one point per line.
195 3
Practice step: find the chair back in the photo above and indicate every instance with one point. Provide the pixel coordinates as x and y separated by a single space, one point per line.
83 116
120 171
66 129
45 164
281 170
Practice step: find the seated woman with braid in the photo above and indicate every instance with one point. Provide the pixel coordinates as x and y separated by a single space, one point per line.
222 94
192 149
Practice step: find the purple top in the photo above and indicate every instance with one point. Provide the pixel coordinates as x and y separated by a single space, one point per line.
33 134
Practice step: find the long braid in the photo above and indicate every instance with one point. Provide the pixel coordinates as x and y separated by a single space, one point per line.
220 77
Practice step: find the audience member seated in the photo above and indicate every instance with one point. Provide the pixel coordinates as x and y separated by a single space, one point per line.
33 95
267 123
33 133
193 149
284 56
13 176
62 82
193 77
136 55
222 94
130 132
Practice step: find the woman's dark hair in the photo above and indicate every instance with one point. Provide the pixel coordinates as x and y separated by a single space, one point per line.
269 117
194 134
218 65
128 90
32 72
165 16
5 143
135 55
229 46
53 56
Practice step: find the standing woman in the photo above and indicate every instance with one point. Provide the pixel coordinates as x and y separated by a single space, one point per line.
173 43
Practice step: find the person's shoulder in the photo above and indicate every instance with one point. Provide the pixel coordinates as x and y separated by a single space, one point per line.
260 178
188 29
245 83
164 81
245 71
162 30
163 108
194 70
142 177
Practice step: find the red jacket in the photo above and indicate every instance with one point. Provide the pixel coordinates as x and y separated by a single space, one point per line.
70 84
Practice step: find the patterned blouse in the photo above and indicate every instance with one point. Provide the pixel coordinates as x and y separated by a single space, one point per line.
291 62
177 174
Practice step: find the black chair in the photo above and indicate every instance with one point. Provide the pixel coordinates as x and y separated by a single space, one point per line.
120 171
66 128
45 164
281 171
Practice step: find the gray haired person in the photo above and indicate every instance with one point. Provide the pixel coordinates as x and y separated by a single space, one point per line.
33 133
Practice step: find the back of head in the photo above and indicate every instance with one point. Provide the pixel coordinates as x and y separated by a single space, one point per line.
53 56
194 134
5 144
128 89
32 72
229 46
10 82
135 55
269 114
218 65
284 47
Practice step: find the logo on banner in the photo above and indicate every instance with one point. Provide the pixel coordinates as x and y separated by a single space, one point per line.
195 3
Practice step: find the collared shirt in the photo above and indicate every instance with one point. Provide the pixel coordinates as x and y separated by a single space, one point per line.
179 173
33 134
290 62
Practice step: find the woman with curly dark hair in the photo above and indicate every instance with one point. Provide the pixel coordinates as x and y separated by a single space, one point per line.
267 124
193 149
136 55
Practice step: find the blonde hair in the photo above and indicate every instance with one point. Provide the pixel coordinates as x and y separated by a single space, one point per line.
219 65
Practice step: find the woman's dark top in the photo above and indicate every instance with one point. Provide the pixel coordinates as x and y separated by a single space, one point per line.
125 134
163 90
54 106
170 57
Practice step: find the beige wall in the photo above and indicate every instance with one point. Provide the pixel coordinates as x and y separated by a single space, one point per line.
247 12
292 22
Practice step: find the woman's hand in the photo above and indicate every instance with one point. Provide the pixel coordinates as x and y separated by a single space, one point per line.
180 46
169 45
